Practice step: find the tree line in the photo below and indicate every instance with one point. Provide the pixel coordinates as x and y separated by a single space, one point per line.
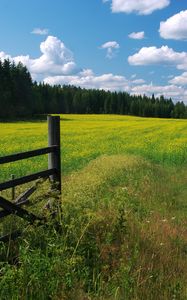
20 97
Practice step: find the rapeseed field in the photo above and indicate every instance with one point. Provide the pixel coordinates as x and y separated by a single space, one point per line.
86 137
122 215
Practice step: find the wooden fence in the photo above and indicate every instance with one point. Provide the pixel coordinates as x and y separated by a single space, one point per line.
53 173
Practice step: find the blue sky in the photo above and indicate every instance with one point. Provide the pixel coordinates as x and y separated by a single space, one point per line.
137 46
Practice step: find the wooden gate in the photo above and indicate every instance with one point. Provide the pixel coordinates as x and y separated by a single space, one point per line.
53 173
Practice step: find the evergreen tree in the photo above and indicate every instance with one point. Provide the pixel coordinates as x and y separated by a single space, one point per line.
20 97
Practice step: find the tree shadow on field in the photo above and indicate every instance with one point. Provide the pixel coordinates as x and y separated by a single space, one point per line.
66 119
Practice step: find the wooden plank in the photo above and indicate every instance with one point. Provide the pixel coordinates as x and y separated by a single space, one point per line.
25 195
17 210
18 181
28 154
20 200
5 213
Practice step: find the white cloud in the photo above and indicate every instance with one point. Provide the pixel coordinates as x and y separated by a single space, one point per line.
90 80
56 65
142 7
56 59
111 47
179 80
175 27
112 44
120 83
137 35
138 81
159 56
40 31
169 91
87 72
3 55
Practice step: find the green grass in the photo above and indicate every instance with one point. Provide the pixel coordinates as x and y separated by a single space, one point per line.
122 214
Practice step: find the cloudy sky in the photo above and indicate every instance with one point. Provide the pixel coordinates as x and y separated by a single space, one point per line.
138 46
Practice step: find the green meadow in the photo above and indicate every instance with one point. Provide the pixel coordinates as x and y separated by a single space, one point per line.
122 212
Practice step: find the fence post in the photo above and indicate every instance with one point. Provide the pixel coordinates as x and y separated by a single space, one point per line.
54 160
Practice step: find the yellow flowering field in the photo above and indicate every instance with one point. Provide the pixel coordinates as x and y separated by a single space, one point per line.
123 220
85 137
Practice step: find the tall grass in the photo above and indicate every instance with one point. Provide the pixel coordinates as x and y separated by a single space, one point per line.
122 236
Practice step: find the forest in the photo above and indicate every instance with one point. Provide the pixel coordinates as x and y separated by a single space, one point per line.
21 97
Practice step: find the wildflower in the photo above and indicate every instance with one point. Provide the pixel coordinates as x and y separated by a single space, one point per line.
124 188
164 220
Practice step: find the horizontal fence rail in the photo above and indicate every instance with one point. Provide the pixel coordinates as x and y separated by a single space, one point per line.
28 154
54 161
18 181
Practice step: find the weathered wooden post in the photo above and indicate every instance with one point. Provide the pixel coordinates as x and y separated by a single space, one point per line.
54 160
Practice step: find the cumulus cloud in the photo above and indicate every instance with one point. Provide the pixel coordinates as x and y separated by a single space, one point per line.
111 48
40 31
159 56
175 27
141 7
111 82
56 59
56 65
87 79
169 91
137 35
138 81
86 72
3 55
179 80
